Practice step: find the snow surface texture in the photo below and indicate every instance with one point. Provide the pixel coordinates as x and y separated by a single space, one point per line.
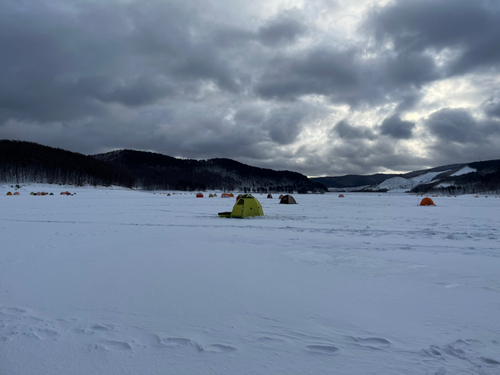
124 282
464 170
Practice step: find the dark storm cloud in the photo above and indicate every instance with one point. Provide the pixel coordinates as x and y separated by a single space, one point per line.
492 106
60 65
454 125
284 29
346 131
470 28
397 128
457 137
324 72
457 125
345 76
284 125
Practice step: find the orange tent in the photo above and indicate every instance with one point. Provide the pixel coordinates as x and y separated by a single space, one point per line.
427 202
17 193
199 195
9 193
341 196
224 195
231 195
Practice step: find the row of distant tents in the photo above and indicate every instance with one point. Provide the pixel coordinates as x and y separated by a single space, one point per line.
284 199
41 193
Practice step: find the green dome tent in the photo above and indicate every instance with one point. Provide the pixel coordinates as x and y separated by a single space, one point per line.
246 206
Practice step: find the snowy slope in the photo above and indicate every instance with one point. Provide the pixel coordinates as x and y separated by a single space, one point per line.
125 282
400 184
463 171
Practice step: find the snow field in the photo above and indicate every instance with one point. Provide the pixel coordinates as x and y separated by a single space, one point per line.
113 281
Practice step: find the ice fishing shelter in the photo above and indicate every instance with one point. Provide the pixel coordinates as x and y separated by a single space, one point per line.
288 199
224 195
341 195
269 196
17 193
199 195
9 193
427 202
246 206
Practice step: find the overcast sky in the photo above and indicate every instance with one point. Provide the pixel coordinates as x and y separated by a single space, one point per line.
321 87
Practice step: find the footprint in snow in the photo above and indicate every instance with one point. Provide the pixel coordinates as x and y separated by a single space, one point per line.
114 346
373 342
102 327
322 349
217 348
490 361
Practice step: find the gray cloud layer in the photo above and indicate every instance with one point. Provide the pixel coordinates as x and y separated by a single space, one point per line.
193 79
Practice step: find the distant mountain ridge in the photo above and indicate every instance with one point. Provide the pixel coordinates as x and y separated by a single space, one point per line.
157 171
353 180
25 162
453 179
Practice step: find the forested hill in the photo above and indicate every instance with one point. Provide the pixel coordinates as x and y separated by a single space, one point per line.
25 162
156 171
353 180
467 178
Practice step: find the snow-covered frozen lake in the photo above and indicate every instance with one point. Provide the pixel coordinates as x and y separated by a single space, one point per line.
112 281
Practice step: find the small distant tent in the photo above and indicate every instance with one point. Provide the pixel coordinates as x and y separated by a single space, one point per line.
169 195
341 195
270 196
224 195
288 199
215 194
199 195
51 194
38 194
238 197
211 196
231 195
9 193
17 193
427 202
246 206
32 193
